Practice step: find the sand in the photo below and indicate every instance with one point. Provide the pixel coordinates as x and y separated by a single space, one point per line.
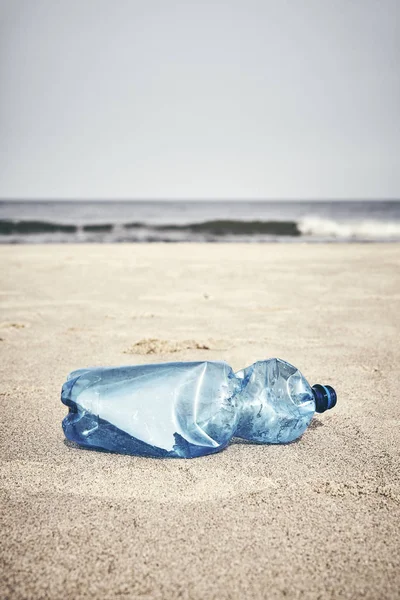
319 518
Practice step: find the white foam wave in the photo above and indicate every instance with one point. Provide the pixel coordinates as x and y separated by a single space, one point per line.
356 230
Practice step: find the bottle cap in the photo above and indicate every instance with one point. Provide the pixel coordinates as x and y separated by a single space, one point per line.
324 396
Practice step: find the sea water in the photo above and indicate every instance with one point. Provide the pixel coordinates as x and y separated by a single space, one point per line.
206 221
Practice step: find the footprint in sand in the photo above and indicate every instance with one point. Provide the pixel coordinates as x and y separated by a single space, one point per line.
157 346
153 480
143 315
12 325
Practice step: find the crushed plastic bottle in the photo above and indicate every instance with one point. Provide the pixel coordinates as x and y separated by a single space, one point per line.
189 409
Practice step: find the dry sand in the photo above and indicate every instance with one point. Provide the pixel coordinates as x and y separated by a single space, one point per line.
315 519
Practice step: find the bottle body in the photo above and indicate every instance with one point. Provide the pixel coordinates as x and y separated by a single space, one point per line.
170 409
186 409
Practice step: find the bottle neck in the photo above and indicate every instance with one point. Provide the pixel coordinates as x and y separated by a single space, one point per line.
324 396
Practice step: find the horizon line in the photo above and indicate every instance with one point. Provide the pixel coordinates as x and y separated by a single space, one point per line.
303 199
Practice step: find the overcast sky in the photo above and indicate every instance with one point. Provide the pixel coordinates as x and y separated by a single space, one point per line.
205 99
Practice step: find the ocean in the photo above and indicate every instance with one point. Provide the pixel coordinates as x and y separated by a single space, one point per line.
198 221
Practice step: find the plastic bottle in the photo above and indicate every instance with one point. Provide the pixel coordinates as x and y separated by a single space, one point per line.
189 409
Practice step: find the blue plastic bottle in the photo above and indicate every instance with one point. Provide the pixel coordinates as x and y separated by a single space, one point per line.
188 409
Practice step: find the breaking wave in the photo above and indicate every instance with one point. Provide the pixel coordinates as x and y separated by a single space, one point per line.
350 230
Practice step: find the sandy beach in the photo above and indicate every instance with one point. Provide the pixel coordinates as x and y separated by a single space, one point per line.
318 518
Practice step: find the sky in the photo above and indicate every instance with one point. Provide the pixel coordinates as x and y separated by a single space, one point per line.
199 99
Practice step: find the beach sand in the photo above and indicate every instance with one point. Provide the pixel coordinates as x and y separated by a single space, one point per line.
318 518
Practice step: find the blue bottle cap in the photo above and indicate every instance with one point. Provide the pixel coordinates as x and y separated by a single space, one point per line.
324 396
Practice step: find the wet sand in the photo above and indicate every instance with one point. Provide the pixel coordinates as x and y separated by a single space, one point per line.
318 518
